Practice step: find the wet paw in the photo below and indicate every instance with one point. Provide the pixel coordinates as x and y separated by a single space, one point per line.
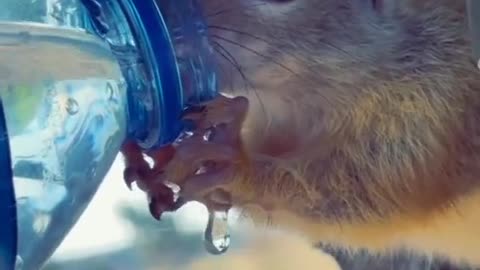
163 200
204 169
161 197
137 168
205 163
202 164
221 110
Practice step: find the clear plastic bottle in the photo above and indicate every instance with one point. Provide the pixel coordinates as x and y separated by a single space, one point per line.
77 79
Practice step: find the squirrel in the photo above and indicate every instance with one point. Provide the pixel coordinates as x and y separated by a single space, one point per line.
354 123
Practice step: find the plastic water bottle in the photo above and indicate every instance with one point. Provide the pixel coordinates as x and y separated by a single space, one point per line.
77 79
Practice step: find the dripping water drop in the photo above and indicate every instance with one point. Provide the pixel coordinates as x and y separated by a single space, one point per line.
217 235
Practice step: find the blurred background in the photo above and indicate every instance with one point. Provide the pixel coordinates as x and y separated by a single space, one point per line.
116 232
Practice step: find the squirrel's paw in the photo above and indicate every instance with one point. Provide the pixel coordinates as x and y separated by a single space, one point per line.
202 164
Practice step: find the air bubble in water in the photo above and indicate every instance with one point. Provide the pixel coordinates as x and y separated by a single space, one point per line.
41 223
110 92
217 235
72 106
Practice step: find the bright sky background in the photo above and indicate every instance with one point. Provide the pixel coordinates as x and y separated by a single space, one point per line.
100 229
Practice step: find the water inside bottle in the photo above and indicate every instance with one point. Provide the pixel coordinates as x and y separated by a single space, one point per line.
65 99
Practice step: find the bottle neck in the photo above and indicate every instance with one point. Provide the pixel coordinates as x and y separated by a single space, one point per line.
166 60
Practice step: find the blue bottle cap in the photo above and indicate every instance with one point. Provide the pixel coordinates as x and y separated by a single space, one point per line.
178 66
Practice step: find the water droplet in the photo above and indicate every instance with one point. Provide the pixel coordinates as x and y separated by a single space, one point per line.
209 134
184 135
150 161
72 106
18 263
217 236
175 189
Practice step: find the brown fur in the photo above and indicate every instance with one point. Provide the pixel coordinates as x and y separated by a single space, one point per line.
365 120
